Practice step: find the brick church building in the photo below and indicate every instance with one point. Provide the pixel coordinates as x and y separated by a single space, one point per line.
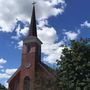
33 74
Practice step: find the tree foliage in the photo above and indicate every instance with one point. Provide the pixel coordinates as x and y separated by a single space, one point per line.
2 87
73 70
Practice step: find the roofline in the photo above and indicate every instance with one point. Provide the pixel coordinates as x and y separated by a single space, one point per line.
14 74
46 69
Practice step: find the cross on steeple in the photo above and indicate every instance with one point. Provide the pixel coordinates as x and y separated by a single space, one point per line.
34 3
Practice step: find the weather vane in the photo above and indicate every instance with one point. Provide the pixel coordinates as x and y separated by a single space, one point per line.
34 3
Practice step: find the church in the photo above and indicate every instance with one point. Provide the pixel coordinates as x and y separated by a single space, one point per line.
32 74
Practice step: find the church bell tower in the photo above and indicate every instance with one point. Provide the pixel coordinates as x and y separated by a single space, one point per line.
31 55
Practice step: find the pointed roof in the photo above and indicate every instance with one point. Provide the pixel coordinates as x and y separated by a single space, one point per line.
32 28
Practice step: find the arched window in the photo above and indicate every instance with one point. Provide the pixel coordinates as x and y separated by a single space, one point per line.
26 83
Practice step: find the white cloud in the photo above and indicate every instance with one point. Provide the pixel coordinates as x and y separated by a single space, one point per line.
86 24
47 33
2 61
50 47
6 27
21 9
6 84
20 44
71 35
1 66
42 23
24 31
21 29
53 54
7 73
10 71
4 75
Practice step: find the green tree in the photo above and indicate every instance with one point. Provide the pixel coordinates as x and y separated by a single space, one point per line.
73 70
2 87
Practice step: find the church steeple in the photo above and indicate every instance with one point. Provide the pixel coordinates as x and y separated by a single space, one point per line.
32 28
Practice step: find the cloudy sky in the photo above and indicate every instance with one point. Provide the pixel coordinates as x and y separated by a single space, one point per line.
58 21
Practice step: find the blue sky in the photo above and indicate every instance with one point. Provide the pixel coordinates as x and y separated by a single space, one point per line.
58 21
